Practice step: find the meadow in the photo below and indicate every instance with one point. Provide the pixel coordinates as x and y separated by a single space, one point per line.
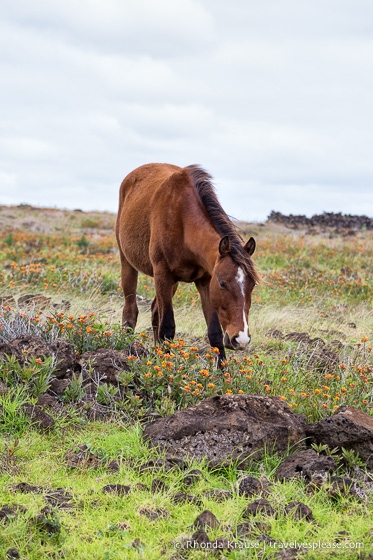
312 332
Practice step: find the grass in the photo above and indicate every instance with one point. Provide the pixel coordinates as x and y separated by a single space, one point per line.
321 285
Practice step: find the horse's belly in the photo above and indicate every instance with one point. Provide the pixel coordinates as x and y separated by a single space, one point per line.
134 244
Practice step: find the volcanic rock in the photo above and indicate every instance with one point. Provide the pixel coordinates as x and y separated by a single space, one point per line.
228 427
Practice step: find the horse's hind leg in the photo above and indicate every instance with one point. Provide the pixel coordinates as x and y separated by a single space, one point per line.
155 319
129 285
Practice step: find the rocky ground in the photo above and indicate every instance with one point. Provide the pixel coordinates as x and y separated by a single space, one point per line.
341 223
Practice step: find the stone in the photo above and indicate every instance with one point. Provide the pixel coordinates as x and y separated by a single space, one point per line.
298 511
38 416
106 362
260 506
206 519
228 427
349 428
249 486
304 463
118 489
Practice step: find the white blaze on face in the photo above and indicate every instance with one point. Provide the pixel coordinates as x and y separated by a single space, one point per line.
243 336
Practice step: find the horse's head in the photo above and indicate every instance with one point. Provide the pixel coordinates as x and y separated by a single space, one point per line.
230 294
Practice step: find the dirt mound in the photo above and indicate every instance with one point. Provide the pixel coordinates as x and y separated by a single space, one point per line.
328 220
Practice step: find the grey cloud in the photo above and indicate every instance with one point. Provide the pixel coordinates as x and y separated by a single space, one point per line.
273 98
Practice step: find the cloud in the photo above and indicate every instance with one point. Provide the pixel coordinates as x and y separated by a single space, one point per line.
273 98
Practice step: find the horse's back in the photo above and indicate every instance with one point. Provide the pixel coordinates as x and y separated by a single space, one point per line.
143 181
144 201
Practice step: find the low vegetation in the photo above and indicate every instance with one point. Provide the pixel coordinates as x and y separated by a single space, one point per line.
312 335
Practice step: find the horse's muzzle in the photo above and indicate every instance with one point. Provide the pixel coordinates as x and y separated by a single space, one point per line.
235 343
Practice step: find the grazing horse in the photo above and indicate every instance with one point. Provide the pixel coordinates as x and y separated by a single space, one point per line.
171 226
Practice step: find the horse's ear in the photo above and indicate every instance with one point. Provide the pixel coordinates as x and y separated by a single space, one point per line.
250 246
224 246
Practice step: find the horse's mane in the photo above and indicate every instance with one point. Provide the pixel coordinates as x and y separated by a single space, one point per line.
219 219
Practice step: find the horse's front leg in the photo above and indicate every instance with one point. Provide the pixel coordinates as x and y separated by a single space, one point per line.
214 330
162 311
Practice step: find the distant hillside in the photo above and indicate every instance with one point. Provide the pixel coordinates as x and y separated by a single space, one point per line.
53 220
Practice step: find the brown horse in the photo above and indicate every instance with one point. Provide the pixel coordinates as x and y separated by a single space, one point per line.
171 226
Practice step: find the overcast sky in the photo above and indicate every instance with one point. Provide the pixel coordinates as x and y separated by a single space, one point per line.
273 97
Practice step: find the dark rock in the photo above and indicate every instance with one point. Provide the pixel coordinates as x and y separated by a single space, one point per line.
304 463
96 411
181 497
38 416
219 495
113 466
349 428
82 457
163 464
153 464
25 488
344 486
59 498
51 403
9 511
65 355
36 347
158 486
47 523
250 528
3 387
274 333
59 386
249 486
342 223
298 511
206 519
154 513
200 537
105 362
298 337
12 553
138 544
192 477
228 427
6 349
267 539
37 302
260 506
118 489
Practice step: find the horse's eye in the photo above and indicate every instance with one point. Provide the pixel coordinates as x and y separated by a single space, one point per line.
222 284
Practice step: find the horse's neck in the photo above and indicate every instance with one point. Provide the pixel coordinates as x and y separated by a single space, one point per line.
206 249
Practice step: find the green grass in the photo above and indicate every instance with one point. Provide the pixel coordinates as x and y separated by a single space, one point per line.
319 285
105 525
